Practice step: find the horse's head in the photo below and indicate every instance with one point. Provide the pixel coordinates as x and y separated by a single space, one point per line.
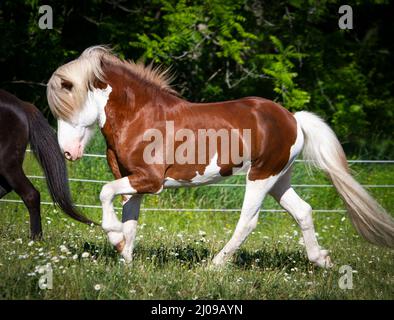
77 101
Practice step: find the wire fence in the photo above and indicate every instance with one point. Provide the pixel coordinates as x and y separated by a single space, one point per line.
92 155
91 206
228 185
224 185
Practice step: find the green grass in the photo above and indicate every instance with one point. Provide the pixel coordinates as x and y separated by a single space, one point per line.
173 248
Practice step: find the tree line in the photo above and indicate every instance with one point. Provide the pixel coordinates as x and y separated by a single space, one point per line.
290 51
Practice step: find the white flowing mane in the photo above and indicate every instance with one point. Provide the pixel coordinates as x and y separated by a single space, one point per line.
68 87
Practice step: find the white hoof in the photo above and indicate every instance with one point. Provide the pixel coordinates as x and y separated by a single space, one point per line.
216 266
324 260
127 255
220 260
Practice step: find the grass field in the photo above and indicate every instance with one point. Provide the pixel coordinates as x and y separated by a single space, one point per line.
173 248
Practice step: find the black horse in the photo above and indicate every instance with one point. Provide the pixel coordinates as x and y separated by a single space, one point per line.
21 123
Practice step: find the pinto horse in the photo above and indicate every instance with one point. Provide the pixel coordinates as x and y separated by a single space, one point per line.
21 123
133 104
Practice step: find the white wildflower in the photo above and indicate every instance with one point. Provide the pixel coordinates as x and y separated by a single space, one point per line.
63 248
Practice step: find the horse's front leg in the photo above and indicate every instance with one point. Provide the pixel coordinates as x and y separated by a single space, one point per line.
122 235
110 223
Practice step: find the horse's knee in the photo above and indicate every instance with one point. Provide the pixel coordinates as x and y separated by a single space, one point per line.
106 194
304 216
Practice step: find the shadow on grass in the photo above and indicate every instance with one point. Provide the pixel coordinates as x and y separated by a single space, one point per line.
159 255
272 259
190 255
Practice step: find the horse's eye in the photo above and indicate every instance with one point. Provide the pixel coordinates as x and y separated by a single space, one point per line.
66 85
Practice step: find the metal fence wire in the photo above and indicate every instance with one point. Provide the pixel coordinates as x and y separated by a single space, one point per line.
224 185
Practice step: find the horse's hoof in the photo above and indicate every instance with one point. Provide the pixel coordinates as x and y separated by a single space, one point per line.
218 263
328 263
324 261
36 236
127 256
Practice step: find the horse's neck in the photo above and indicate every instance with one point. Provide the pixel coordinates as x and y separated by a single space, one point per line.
135 103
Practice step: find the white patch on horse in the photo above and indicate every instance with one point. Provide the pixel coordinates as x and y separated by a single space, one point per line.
100 97
245 168
93 108
296 148
210 175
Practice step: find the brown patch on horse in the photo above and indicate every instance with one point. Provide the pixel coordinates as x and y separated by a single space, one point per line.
134 107
141 99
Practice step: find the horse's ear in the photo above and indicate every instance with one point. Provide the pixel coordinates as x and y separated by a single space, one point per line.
68 85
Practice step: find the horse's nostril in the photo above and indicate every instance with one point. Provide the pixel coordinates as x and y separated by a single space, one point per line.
67 155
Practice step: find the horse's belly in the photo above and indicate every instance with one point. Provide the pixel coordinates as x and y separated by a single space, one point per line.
198 181
211 175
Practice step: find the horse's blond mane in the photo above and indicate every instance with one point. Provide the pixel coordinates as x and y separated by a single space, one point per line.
68 87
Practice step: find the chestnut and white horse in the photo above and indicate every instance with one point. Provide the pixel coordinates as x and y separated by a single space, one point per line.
134 104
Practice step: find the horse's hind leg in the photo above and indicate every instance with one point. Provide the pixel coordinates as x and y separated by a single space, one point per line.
130 214
30 196
254 196
302 213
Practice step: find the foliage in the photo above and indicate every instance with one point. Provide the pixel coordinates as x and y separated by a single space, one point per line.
290 51
279 66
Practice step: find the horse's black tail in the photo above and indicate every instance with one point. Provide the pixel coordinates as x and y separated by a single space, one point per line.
44 144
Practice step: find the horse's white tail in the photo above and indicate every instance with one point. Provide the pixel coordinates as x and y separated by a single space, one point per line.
323 150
